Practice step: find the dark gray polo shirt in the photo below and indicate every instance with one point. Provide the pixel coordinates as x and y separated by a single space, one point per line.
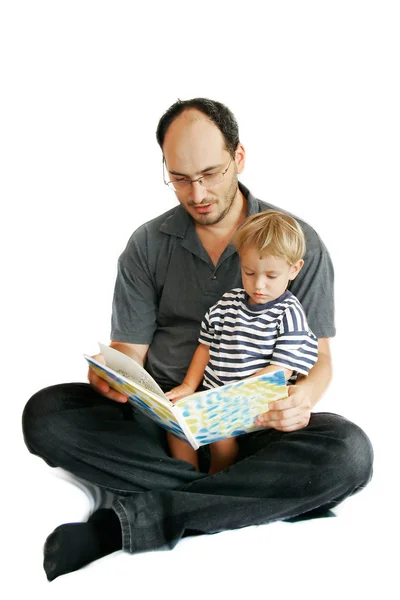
166 282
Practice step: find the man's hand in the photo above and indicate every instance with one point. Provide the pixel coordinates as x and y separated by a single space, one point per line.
180 391
289 414
102 386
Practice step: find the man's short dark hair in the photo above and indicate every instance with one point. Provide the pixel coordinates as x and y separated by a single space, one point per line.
217 112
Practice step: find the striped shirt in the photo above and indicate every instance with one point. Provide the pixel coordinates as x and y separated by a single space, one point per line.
244 338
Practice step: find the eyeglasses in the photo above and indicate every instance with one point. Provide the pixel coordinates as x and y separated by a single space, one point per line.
207 180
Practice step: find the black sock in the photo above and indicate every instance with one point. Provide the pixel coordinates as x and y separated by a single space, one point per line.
73 545
317 513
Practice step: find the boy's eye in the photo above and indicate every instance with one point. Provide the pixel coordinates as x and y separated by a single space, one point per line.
248 274
271 276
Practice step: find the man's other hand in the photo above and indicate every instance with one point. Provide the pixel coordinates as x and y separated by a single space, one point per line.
289 414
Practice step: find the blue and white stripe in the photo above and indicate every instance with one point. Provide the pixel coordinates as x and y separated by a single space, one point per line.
245 338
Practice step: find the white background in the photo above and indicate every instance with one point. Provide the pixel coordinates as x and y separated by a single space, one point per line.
315 88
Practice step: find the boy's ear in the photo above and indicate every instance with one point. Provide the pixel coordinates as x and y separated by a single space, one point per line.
295 269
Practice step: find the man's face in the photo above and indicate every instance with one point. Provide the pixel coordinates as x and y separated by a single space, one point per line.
194 146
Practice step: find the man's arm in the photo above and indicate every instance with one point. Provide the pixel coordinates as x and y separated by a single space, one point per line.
136 351
319 377
294 412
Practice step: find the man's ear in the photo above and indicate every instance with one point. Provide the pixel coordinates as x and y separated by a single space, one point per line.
295 269
240 158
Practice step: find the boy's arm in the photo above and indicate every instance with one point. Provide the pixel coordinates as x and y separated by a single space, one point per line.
194 375
272 369
294 412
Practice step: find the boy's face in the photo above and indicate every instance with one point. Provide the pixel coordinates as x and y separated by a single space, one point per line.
265 277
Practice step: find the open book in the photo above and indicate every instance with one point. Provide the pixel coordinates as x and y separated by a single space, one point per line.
203 417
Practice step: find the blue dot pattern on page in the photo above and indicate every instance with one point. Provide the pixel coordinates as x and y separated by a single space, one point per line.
172 426
232 410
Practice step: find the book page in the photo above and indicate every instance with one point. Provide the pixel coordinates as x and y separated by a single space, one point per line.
130 369
231 410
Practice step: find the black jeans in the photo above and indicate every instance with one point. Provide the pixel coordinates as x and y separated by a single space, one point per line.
161 499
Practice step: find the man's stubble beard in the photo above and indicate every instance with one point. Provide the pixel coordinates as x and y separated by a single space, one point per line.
229 200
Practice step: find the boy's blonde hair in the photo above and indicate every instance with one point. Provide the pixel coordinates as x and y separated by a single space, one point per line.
273 232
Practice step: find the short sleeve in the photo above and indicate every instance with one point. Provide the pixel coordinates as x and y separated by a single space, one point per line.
206 329
314 285
134 313
296 347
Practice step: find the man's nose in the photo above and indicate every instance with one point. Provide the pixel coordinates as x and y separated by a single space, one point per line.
197 192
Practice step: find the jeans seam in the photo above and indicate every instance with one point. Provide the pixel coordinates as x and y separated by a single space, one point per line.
122 515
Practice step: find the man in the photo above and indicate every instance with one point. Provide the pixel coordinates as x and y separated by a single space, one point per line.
172 270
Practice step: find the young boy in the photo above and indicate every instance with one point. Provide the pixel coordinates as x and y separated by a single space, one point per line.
255 330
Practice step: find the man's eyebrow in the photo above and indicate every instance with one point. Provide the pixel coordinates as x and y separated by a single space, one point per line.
219 166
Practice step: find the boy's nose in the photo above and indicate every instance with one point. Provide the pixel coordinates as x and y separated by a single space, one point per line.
260 283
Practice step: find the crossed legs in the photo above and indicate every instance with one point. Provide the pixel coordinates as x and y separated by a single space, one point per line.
160 499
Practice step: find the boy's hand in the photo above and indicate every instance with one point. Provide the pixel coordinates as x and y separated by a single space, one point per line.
180 391
289 414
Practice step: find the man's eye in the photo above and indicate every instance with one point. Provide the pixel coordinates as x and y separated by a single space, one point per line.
248 274
272 276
